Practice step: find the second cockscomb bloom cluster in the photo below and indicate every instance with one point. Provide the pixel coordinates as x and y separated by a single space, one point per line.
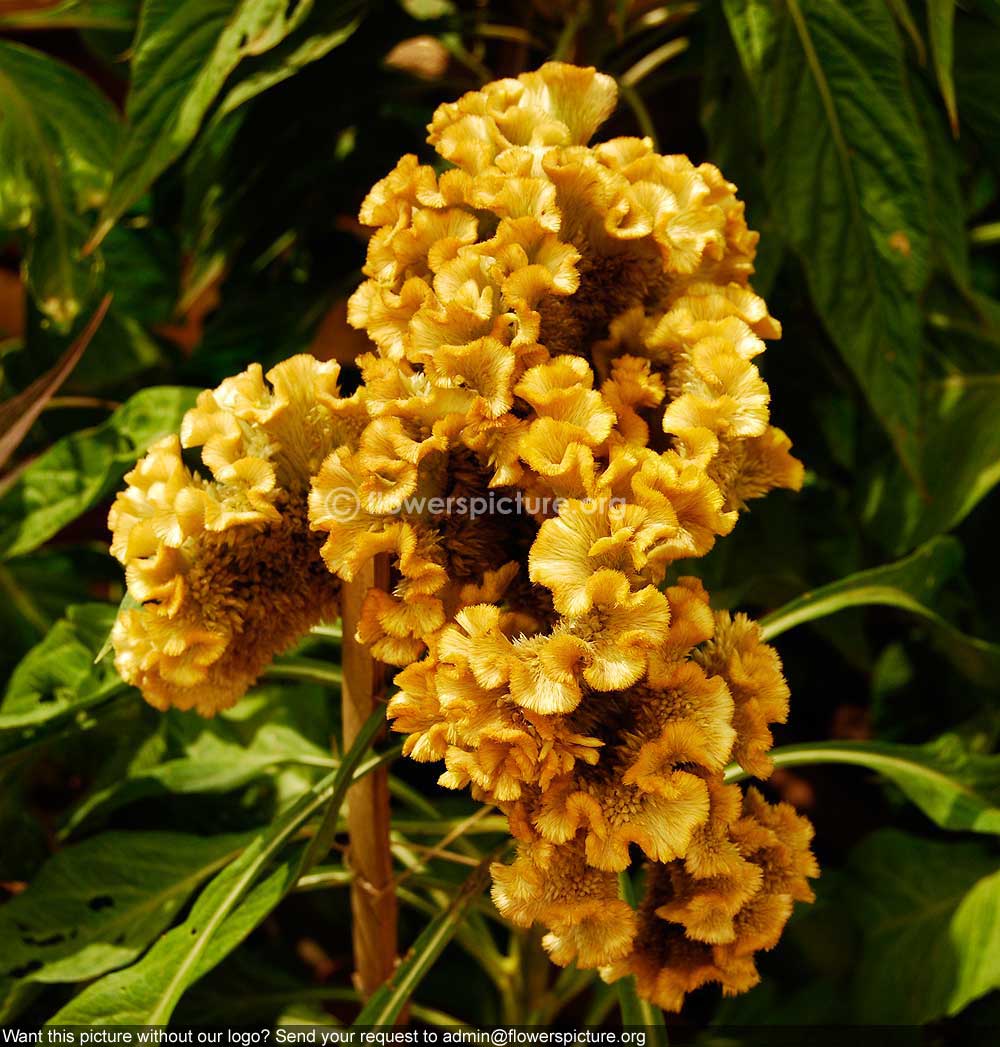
569 330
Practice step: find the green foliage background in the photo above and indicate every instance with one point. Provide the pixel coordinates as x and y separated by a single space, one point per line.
201 162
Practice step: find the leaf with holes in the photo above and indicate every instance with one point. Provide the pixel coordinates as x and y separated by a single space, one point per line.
846 171
96 906
225 912
326 27
57 680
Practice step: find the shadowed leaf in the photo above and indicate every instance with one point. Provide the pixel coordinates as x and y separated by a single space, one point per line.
929 914
910 584
955 787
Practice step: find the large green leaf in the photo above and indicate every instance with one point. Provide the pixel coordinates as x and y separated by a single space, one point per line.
961 462
57 143
224 913
96 906
79 470
910 584
955 787
846 172
184 52
929 915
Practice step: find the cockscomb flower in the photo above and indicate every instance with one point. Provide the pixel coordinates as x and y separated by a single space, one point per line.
220 561
562 405
557 321
695 930
570 296
588 924
723 869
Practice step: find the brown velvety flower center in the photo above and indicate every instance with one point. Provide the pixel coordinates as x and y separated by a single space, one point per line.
265 586
487 540
609 284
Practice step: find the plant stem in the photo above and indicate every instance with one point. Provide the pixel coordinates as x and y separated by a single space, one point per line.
373 902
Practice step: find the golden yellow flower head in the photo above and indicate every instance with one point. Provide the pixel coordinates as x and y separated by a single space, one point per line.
696 928
219 560
561 298
588 923
563 402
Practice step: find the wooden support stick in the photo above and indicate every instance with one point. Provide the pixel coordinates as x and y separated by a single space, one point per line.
373 900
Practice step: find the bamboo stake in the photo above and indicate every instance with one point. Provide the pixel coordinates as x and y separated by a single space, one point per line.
373 900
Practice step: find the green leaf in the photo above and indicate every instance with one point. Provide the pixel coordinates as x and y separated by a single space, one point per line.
79 470
941 27
962 449
326 27
36 590
957 788
949 237
184 52
96 906
217 756
846 171
71 14
929 914
57 682
901 12
960 463
387 1002
910 584
57 143
225 912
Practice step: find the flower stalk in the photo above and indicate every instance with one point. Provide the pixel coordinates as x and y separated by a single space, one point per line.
373 901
